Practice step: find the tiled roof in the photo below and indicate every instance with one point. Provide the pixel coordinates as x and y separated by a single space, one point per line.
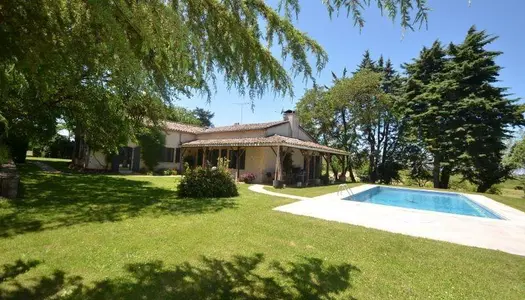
238 127
244 127
184 127
274 140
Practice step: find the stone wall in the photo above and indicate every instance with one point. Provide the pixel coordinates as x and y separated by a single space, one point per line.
9 181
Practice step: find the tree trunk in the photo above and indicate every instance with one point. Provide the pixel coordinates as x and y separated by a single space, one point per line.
79 149
350 170
436 170
372 161
482 188
334 171
445 178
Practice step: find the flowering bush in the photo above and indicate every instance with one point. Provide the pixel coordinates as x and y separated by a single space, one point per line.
207 183
247 177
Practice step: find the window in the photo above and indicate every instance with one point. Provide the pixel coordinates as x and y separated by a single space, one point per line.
167 154
213 157
233 159
200 154
224 153
177 155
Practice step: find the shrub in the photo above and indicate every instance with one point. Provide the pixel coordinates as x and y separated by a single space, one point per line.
247 177
152 142
189 162
325 179
207 183
4 154
37 152
167 172
494 190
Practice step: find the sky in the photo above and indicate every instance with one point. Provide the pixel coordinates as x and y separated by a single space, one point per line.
345 44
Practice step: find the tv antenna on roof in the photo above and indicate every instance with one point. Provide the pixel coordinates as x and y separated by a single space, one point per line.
241 104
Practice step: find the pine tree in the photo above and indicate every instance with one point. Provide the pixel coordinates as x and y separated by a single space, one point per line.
390 125
366 63
483 109
429 109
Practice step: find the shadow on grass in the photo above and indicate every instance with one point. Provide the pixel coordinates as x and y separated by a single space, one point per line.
53 201
238 278
10 271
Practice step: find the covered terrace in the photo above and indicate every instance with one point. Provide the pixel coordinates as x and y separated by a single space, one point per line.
264 155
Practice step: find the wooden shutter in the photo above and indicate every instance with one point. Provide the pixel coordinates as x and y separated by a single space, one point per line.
135 164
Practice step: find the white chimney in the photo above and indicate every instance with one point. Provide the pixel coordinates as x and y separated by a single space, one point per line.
291 117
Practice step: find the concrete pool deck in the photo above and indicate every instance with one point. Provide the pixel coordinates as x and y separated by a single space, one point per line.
506 235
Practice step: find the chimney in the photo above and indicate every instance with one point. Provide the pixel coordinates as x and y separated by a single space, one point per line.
291 117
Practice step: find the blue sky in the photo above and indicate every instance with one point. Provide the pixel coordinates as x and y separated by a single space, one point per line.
448 21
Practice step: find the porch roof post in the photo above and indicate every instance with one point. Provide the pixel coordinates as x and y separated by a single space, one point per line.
328 158
237 163
307 166
278 173
204 157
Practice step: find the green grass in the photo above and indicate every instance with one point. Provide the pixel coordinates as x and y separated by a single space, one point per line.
113 237
313 191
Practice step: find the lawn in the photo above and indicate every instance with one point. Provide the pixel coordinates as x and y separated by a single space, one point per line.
114 237
309 191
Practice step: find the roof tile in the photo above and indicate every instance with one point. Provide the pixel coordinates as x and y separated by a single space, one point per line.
274 140
244 127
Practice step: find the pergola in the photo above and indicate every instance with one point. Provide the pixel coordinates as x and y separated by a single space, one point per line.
280 146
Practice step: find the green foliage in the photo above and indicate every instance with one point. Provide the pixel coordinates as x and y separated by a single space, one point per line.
4 154
485 114
18 146
454 107
166 172
419 165
58 147
288 163
204 116
189 161
170 172
207 183
107 67
152 142
182 115
515 159
359 114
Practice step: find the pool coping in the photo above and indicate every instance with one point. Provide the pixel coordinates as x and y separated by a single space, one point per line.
506 234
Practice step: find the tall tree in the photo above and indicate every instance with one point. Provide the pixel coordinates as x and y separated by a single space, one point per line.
321 119
391 126
515 158
484 113
107 66
363 101
429 109
182 115
367 63
204 116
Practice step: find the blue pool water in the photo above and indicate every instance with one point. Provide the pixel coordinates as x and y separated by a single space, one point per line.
434 201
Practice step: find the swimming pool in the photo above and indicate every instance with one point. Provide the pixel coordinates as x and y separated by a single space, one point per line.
424 200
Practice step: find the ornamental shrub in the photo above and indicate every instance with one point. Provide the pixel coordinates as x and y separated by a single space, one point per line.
4 154
166 172
207 183
247 177
152 142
